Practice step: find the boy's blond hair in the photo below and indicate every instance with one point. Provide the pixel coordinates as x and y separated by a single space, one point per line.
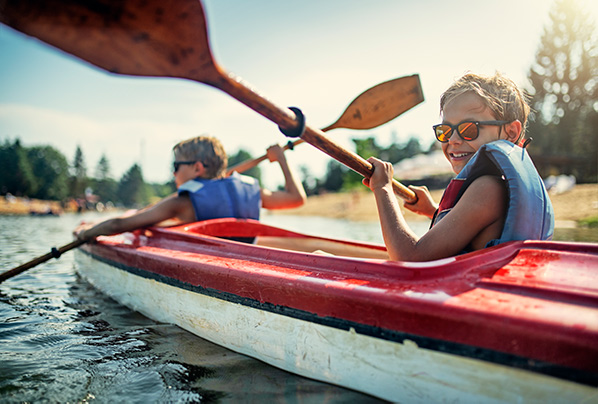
206 149
497 92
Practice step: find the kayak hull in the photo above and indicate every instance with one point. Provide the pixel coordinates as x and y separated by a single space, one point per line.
332 325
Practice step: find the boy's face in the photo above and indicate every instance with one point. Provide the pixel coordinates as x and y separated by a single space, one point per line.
185 172
468 107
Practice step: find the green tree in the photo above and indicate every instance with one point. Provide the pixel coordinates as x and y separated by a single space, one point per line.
50 169
106 190
241 156
412 148
103 185
163 190
78 179
310 183
564 80
103 168
334 179
132 190
397 152
367 147
16 174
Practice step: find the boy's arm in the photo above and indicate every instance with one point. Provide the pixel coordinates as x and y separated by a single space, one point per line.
476 218
173 206
293 195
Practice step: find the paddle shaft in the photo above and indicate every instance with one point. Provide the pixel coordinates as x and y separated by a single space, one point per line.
55 253
249 164
372 108
285 119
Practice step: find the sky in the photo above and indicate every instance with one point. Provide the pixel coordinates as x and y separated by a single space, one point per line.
316 55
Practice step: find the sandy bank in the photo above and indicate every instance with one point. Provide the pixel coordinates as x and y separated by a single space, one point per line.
579 203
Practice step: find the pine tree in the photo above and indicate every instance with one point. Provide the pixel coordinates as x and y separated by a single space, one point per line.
564 79
104 186
132 190
78 180
103 168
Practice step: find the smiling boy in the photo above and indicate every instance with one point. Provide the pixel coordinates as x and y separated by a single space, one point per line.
497 195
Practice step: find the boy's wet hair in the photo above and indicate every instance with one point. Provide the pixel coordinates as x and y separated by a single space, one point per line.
206 149
497 92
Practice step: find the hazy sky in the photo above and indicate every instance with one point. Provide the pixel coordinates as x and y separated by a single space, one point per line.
314 54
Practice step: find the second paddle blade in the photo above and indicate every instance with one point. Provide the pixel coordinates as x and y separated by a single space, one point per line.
381 104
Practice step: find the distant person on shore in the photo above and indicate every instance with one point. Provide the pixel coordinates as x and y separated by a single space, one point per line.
203 191
497 195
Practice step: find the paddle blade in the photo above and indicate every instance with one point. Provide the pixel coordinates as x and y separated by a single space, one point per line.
381 104
132 37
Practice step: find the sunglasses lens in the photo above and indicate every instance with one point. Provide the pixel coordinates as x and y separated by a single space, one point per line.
468 130
176 167
443 132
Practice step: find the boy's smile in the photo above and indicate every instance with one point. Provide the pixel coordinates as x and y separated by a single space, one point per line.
468 106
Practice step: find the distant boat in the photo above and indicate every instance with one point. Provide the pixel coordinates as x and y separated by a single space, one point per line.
48 212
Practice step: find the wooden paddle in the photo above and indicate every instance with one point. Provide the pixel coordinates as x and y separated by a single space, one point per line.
374 107
54 253
153 38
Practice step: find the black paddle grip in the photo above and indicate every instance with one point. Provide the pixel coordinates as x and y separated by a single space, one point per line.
299 129
55 253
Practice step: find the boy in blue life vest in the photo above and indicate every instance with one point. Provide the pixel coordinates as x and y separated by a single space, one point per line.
205 192
497 195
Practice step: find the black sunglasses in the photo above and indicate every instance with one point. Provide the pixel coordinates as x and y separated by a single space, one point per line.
467 130
177 164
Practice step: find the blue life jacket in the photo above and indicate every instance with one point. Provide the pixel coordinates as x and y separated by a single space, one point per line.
529 213
235 196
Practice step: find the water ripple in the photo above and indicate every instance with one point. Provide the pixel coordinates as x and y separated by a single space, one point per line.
63 341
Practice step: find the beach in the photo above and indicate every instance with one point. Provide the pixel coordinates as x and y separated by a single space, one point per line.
579 203
571 206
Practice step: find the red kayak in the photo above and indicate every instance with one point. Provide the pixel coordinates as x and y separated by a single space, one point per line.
513 323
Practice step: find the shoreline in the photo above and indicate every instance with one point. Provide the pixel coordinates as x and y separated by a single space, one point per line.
570 207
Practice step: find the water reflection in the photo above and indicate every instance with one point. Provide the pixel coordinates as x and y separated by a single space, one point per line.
63 341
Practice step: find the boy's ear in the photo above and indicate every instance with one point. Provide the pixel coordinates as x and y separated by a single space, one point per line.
199 168
513 130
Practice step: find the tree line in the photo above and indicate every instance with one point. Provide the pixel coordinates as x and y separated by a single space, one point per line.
43 172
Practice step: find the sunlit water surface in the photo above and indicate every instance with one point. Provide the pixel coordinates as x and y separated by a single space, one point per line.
63 341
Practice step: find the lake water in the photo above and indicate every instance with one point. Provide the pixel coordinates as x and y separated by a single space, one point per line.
63 341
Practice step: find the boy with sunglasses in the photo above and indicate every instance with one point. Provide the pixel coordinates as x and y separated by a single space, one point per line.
204 192
497 195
